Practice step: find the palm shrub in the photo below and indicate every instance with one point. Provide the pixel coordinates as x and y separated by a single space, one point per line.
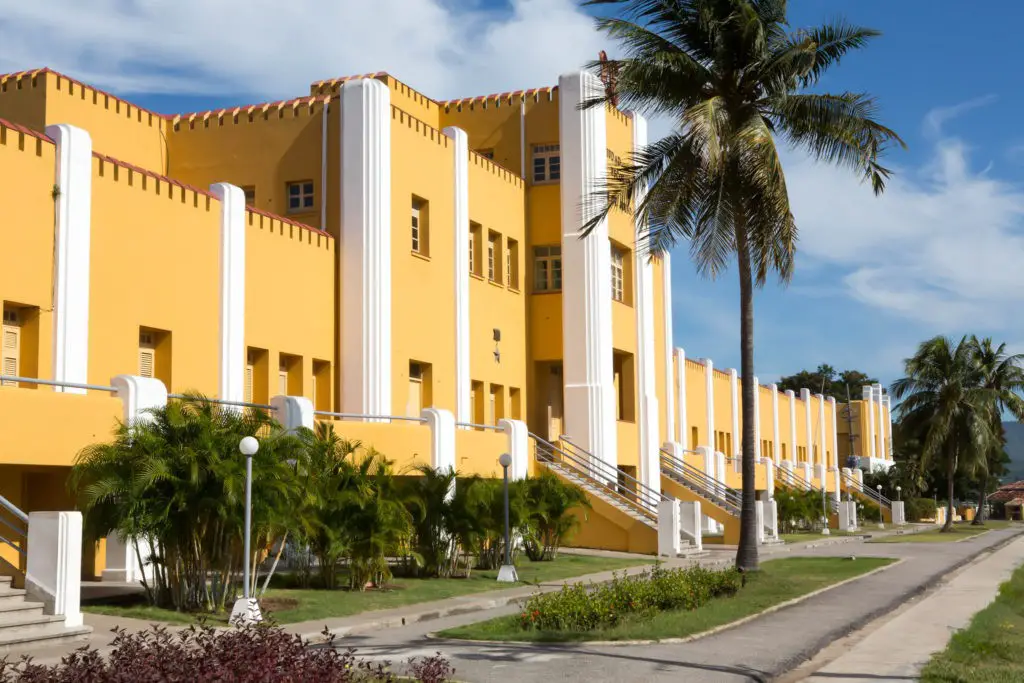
797 508
176 480
735 79
549 514
429 501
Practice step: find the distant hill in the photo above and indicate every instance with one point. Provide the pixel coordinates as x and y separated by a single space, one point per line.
1015 449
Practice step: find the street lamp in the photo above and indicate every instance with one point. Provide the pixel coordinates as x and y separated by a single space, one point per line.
881 517
507 573
246 609
898 489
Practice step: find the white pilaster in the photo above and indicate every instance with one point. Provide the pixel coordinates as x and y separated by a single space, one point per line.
792 425
757 420
709 387
666 298
53 569
463 383
734 400
869 405
805 396
232 291
775 423
680 391
821 434
888 427
365 250
669 528
442 438
879 423
643 269
586 272
835 431
72 236
518 447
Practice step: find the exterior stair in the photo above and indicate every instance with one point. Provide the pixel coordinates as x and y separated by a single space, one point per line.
23 624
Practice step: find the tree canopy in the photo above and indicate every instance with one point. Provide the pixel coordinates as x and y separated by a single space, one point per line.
826 380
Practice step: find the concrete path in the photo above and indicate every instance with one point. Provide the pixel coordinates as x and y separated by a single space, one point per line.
898 649
759 650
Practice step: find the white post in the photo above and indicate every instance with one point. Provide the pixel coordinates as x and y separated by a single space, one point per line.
684 430
518 447
294 412
775 423
869 406
232 291
771 511
805 397
709 396
460 243
759 514
690 518
666 301
734 400
669 528
586 272
442 438
364 298
72 234
792 425
53 570
880 423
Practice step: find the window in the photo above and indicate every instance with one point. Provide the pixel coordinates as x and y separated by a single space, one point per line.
258 376
300 196
515 409
419 388
497 403
547 269
250 195
419 224
782 447
476 232
512 265
321 385
694 437
618 268
282 378
547 164
476 400
250 374
12 345
624 379
494 256
147 354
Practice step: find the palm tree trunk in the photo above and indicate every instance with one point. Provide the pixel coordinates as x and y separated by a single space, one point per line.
979 518
746 553
948 526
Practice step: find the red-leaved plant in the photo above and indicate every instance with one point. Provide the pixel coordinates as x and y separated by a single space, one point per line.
249 654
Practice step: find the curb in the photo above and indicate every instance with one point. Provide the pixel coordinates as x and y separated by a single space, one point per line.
687 639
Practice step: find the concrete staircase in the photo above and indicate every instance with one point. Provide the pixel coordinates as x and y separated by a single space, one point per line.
23 624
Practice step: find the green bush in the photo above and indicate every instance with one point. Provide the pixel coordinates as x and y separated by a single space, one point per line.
579 607
917 509
869 512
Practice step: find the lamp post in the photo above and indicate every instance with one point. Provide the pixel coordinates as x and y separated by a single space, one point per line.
507 573
246 609
898 489
881 517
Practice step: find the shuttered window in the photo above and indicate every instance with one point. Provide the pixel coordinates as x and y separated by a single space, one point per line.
147 355
12 345
249 374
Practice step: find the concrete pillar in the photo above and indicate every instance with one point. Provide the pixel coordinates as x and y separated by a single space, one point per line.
518 447
792 424
709 396
775 423
669 528
680 390
460 242
666 303
690 522
734 400
442 438
53 570
869 406
293 412
759 513
231 362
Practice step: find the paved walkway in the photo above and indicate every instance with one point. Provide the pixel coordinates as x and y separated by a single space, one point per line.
759 650
925 627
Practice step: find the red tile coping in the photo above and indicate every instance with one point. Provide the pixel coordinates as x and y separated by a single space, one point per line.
47 70
249 108
27 131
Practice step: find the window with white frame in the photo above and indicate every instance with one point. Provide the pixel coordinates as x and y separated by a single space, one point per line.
547 269
547 164
494 256
419 226
300 196
618 272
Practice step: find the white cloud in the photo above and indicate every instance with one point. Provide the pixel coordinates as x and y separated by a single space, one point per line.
272 49
940 116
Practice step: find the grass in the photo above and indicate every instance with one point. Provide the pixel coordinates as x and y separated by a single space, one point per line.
958 532
991 648
777 582
293 605
807 536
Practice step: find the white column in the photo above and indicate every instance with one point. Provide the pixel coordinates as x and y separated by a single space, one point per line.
232 291
734 399
364 254
586 272
643 269
880 423
805 397
72 226
680 390
835 431
775 423
669 528
757 420
709 378
869 405
463 382
821 434
666 298
888 427
518 447
53 569
792 424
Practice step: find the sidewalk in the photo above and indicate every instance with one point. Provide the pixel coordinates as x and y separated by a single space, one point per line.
899 649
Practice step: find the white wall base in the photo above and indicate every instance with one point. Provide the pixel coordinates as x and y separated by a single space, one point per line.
669 528
689 515
53 573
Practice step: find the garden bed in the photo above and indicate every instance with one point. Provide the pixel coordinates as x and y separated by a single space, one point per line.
778 581
294 605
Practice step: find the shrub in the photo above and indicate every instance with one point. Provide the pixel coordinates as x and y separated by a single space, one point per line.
869 512
549 518
250 654
917 509
578 607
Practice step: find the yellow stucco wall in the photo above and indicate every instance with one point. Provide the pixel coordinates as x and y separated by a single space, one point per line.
696 404
723 417
786 451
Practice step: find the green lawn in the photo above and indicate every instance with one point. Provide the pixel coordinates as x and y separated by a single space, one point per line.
991 649
958 532
292 605
777 582
807 536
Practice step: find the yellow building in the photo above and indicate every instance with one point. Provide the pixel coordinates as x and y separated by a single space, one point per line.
411 268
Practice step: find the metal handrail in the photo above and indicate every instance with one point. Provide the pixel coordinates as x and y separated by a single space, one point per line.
19 549
583 469
867 491
582 453
800 479
13 509
17 513
224 402
358 416
711 488
55 383
473 425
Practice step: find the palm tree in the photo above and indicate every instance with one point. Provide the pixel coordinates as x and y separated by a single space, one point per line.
733 79
944 401
1003 376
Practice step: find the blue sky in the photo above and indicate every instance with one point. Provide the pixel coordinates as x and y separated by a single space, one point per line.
940 253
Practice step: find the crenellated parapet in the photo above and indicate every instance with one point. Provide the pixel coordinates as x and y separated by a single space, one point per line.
266 111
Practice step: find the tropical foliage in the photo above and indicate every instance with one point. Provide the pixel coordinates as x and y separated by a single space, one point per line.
828 381
798 509
173 482
735 80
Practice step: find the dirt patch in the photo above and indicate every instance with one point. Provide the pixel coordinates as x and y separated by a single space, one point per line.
278 604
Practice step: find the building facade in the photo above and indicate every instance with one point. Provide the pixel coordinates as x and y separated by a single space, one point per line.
377 252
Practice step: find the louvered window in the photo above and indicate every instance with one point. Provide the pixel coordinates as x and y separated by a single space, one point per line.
249 374
147 355
12 345
282 379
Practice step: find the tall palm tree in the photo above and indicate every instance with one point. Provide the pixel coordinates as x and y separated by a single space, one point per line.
944 400
1003 375
733 79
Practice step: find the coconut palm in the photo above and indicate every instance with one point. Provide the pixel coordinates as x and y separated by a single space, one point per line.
1003 375
945 402
733 80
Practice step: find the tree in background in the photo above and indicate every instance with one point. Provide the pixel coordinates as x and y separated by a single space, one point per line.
826 380
734 79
